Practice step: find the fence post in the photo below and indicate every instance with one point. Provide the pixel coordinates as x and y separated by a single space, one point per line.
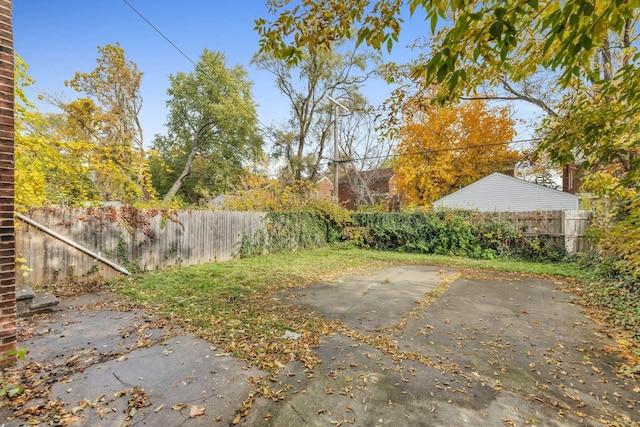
574 225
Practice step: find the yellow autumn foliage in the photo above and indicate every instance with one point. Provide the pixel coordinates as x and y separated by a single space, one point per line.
58 162
442 149
264 194
47 171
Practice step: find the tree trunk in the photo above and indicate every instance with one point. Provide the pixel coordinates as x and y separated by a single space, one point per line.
186 171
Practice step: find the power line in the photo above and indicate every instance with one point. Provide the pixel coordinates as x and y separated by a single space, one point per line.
197 67
204 72
440 150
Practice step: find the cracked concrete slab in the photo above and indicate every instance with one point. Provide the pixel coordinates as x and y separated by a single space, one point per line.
493 349
99 361
527 335
420 346
370 303
175 375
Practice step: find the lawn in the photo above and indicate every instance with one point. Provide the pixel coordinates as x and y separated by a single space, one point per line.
232 303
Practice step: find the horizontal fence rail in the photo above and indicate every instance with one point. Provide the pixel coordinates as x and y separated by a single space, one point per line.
564 229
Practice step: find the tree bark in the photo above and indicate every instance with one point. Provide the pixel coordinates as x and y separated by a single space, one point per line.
517 96
186 171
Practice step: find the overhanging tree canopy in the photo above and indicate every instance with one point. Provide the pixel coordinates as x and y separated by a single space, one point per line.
485 42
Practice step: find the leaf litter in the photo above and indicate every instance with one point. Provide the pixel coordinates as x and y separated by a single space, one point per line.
252 327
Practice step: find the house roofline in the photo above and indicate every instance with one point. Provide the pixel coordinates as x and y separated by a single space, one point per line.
520 181
322 179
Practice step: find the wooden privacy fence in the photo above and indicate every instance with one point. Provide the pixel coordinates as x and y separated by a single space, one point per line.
133 239
563 229
66 244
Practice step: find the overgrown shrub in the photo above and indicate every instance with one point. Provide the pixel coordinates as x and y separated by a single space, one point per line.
614 291
335 218
461 233
294 230
538 249
617 232
356 237
318 224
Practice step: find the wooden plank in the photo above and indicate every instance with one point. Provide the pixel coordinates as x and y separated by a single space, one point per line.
194 237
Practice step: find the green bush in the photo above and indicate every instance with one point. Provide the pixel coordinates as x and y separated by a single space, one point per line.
461 233
419 233
334 217
538 249
294 230
615 292
356 237
319 224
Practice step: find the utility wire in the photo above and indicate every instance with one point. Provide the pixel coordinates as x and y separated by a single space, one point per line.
198 68
439 150
195 64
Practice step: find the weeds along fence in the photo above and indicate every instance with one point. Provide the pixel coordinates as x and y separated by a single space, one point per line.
562 229
534 235
65 244
135 240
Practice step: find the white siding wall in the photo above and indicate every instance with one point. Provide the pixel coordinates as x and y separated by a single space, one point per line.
502 193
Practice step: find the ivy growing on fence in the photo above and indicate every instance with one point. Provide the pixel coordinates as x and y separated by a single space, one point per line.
459 233
321 223
443 232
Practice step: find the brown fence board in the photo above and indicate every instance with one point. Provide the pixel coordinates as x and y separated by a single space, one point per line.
161 241
156 240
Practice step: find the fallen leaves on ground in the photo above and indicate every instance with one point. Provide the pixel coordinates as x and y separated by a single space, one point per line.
36 377
250 323
196 411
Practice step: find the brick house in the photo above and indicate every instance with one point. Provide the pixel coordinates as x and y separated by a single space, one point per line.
324 188
365 188
570 178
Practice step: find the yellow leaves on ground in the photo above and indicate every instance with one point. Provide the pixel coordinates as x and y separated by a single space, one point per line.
196 411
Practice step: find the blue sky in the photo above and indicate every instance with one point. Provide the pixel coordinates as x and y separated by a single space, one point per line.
58 38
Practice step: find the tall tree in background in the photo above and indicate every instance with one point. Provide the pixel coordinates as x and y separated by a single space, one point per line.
109 117
442 149
211 131
50 167
587 47
495 44
304 141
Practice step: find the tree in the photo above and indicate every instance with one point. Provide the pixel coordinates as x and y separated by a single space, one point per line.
261 193
496 42
109 117
364 151
211 131
563 36
49 169
586 47
442 149
304 140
